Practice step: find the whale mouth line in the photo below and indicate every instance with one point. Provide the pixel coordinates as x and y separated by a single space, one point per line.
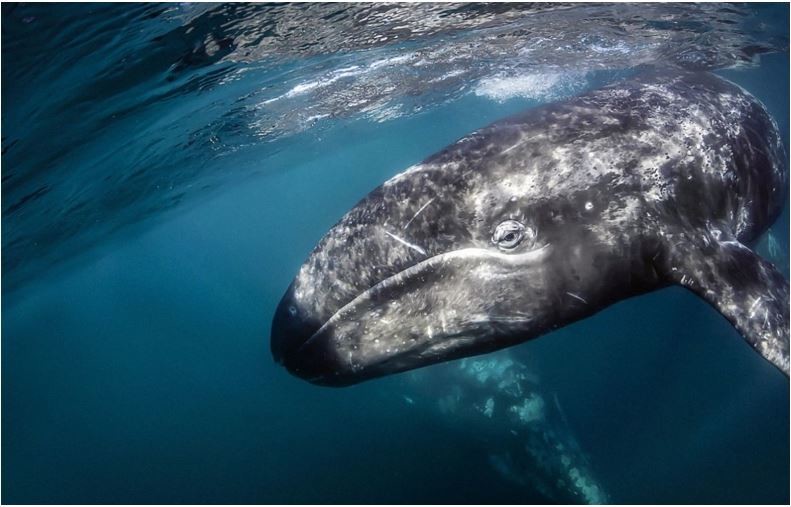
464 253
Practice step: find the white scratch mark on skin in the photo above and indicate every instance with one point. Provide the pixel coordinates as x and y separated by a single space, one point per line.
511 148
418 212
752 308
521 141
406 243
577 297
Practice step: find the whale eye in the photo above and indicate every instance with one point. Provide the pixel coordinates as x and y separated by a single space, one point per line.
509 234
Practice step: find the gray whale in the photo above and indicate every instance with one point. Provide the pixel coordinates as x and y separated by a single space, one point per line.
543 219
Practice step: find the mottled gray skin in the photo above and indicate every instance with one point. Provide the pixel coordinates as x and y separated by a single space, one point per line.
658 180
498 400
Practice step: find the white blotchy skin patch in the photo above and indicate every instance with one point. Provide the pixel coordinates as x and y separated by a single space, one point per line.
674 134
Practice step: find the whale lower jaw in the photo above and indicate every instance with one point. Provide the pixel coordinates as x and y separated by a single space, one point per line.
433 261
439 339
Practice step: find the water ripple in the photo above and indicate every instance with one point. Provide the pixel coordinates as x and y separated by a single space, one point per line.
115 113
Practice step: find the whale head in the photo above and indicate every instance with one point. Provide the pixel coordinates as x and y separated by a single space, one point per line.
451 258
542 219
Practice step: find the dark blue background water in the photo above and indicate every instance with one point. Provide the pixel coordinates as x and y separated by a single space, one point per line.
157 202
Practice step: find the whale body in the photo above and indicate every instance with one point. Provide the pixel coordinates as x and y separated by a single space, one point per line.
543 219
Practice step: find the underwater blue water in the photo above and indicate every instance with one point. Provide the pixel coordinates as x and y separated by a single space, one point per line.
166 170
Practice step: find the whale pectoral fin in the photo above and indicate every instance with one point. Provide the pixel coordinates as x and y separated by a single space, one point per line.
746 289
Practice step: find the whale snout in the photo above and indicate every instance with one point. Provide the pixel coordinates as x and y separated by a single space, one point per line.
291 344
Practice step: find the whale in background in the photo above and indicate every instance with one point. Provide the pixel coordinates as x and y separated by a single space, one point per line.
501 401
